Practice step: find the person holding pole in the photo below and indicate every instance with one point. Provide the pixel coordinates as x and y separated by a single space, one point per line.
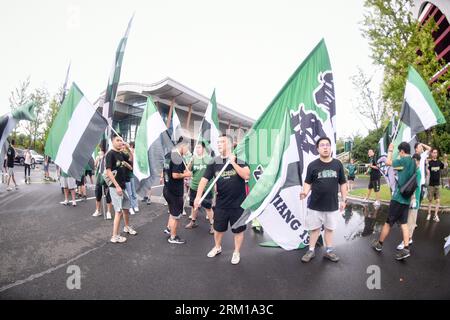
230 176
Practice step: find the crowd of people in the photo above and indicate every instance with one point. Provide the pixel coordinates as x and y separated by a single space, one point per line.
325 182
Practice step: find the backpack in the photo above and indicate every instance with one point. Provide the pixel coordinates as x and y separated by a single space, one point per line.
408 189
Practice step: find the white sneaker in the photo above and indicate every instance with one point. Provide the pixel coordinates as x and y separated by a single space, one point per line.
236 258
184 213
97 214
377 203
130 230
136 209
214 252
401 246
118 239
108 215
428 217
8 189
436 219
131 211
64 203
74 203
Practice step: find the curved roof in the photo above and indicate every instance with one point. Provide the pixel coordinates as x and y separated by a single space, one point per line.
168 89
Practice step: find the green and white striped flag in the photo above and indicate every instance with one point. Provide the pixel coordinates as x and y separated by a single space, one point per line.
209 130
114 77
419 111
281 144
75 133
148 137
8 123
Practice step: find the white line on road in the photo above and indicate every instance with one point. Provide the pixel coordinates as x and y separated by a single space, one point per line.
48 271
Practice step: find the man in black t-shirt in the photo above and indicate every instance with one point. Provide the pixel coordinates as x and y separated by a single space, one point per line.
117 167
324 177
230 195
434 169
10 156
174 172
375 177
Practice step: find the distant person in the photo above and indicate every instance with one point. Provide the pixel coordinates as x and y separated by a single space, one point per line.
351 169
27 165
174 173
198 166
46 168
423 151
434 168
375 178
11 155
444 173
101 189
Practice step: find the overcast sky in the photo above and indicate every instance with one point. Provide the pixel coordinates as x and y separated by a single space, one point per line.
247 50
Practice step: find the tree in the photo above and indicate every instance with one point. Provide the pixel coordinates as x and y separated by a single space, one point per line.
362 145
368 105
19 96
34 129
397 41
51 112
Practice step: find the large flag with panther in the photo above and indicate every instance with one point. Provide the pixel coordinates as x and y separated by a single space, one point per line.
280 146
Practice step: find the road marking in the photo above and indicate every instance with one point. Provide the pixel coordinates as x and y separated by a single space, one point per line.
48 271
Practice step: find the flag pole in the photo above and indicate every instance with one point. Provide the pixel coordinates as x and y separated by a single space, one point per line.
214 181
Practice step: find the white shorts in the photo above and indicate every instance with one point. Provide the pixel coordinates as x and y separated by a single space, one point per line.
10 172
67 182
315 219
119 202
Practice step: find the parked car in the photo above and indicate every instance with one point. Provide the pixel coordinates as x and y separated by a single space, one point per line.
38 158
35 157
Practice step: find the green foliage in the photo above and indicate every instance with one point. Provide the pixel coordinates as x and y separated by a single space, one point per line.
397 40
362 145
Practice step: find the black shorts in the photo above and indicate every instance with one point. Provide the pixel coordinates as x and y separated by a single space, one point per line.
351 178
80 182
398 212
88 173
375 185
223 217
98 193
174 202
206 203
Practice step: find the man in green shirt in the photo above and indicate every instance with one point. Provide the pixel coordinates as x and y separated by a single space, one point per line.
198 166
399 205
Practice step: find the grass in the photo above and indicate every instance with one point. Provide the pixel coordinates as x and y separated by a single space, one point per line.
386 195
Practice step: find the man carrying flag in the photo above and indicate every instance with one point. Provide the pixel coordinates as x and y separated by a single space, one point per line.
230 195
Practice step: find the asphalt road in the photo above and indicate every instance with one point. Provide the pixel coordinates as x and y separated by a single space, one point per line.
40 240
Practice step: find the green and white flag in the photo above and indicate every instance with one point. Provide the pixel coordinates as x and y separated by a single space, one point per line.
177 130
209 129
75 133
148 137
114 78
419 111
8 123
281 144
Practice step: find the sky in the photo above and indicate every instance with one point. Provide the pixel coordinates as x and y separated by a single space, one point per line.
247 50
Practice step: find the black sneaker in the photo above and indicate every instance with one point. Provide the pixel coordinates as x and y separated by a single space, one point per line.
145 199
402 254
176 240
